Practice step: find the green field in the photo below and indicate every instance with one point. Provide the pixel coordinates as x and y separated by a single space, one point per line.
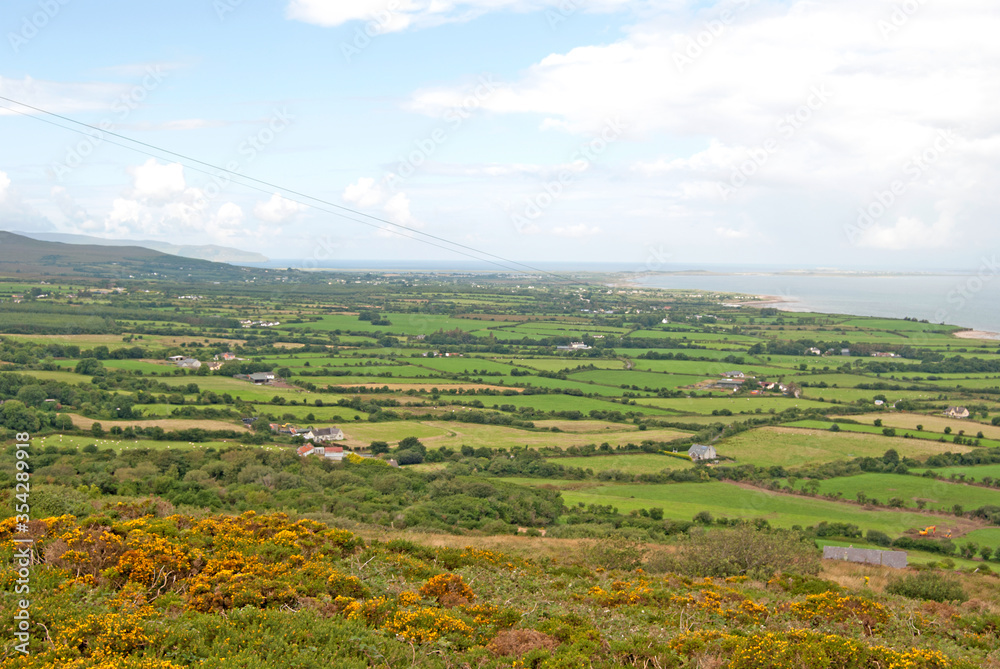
682 501
938 494
793 447
77 441
645 463
971 473
737 405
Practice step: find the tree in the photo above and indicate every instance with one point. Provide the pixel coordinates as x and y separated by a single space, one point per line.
19 418
32 395
412 443
261 425
97 429
89 367
379 447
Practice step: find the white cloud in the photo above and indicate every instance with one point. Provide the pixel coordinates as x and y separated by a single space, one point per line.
277 209
579 231
386 16
57 96
67 205
731 233
179 124
229 217
15 213
127 217
365 193
157 183
909 234
395 207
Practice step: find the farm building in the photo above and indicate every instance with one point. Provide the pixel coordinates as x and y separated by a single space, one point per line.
324 434
332 452
699 452
260 378
189 363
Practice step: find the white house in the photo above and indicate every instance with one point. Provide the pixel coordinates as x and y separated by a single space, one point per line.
335 453
324 434
699 452
957 412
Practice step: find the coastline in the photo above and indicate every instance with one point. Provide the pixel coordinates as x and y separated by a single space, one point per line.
977 334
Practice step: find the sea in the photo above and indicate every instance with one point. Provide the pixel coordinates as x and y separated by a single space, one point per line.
969 300
966 300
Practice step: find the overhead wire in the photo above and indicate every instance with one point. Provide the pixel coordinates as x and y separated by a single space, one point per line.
241 179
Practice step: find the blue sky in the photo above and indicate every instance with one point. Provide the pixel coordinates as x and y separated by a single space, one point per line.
849 133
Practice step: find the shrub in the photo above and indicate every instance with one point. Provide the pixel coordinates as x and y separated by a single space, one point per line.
617 552
927 585
878 538
520 642
747 551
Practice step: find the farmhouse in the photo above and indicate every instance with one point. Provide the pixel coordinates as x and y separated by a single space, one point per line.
729 384
735 375
324 434
814 351
573 346
700 452
957 412
332 452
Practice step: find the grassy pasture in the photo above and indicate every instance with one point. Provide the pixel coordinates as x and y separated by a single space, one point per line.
683 500
455 434
972 473
595 427
461 365
939 495
707 368
619 377
645 463
989 536
852 394
706 405
411 324
794 447
77 441
558 364
871 429
571 403
932 423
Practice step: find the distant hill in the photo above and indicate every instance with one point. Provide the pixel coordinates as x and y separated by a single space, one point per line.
23 256
204 252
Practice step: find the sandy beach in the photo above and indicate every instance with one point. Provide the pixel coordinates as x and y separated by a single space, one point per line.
977 334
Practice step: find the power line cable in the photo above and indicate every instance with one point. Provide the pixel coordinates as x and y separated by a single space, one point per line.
505 263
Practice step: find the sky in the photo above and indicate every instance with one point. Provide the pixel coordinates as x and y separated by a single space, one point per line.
825 133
